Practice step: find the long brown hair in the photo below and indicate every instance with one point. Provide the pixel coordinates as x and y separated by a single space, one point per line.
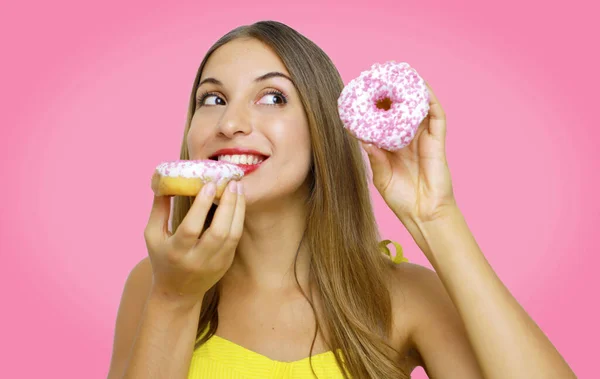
347 268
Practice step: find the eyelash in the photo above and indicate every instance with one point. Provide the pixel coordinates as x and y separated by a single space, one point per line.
206 94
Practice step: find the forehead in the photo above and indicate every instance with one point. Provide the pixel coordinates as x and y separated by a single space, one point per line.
242 57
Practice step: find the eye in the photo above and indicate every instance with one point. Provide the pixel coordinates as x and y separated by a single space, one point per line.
209 98
274 97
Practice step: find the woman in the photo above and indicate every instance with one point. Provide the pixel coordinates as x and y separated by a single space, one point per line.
284 279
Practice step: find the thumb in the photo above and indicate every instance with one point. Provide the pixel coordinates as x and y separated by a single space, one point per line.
380 165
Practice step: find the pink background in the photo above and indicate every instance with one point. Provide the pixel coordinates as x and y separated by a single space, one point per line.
96 90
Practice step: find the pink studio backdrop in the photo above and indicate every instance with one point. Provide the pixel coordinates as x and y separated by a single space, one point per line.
101 89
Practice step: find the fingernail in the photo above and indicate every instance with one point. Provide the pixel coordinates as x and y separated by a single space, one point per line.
232 186
209 189
240 188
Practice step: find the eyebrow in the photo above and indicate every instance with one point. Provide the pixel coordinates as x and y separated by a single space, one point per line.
262 78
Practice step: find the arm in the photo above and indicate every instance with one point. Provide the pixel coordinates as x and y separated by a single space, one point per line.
435 328
415 183
159 313
154 335
505 340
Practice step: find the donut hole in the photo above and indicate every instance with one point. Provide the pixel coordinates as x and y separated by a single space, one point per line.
384 104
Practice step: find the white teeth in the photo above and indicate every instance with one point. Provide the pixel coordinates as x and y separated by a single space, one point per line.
240 159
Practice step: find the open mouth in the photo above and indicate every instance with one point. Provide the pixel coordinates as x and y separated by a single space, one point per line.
240 159
247 162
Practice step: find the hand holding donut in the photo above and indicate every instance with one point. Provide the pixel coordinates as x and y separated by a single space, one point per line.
405 141
187 263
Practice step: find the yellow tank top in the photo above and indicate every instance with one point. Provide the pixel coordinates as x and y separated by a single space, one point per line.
222 359
219 358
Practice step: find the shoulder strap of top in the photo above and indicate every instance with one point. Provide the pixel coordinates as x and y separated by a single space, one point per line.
398 257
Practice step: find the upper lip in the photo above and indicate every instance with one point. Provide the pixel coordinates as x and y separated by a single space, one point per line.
237 151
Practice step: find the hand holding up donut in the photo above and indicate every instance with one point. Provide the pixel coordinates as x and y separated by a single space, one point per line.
403 131
187 263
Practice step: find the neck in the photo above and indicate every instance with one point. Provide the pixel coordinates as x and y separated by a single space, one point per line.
271 243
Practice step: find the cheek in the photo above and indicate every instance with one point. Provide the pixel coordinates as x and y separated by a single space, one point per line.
298 149
303 142
195 140
291 131
191 144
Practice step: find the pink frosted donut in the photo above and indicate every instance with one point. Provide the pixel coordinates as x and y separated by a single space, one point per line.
187 177
385 105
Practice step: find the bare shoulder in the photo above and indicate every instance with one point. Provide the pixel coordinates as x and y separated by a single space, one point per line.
133 300
410 276
425 313
416 287
415 291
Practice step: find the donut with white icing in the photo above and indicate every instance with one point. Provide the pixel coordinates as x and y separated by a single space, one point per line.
385 105
187 177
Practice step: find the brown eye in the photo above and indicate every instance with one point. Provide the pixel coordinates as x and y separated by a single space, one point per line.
273 98
210 99
217 100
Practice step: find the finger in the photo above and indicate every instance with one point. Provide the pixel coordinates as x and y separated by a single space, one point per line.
237 224
158 222
437 116
380 165
226 250
190 228
220 227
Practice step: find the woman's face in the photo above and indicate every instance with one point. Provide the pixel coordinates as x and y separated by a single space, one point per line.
248 110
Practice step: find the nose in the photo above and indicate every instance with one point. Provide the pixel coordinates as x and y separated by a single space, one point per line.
235 120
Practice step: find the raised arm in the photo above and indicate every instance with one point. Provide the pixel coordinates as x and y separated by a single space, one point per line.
158 317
